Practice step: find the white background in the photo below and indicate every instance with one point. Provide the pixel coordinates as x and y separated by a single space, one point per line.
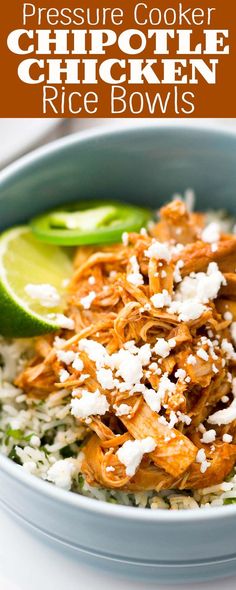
25 562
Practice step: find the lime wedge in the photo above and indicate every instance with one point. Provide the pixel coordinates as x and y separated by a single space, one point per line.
33 279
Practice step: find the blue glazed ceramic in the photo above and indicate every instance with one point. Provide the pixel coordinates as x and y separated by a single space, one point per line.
142 165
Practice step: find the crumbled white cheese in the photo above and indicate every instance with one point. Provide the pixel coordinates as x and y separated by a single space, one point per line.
132 451
144 354
187 310
202 354
152 399
214 356
122 409
45 294
227 438
59 342
110 468
135 277
180 374
130 345
62 321
147 307
158 250
173 420
162 299
89 404
125 238
128 366
204 466
143 231
163 420
211 233
153 367
95 351
105 378
78 364
225 416
61 473
184 418
92 280
87 300
172 342
63 375
195 291
166 386
66 356
228 350
228 316
177 274
191 360
162 347
208 436
203 286
201 458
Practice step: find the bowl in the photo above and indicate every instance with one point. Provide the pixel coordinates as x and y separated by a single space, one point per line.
141 165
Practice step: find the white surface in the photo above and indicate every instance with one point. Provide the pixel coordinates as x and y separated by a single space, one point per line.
28 564
18 135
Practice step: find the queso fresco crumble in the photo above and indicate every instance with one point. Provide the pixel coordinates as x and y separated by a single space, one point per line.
133 400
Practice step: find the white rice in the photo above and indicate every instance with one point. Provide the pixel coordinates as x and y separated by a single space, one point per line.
38 434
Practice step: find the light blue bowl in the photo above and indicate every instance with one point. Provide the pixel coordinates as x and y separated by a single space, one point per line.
142 165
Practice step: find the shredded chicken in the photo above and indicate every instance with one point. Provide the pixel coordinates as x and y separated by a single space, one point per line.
166 361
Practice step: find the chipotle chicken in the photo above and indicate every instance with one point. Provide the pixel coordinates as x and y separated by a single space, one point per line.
151 364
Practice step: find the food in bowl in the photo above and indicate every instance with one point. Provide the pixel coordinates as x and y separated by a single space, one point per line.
128 392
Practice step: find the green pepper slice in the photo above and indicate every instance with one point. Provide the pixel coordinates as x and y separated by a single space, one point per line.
91 222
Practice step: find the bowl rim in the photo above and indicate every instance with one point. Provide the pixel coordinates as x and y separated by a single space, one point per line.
43 487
